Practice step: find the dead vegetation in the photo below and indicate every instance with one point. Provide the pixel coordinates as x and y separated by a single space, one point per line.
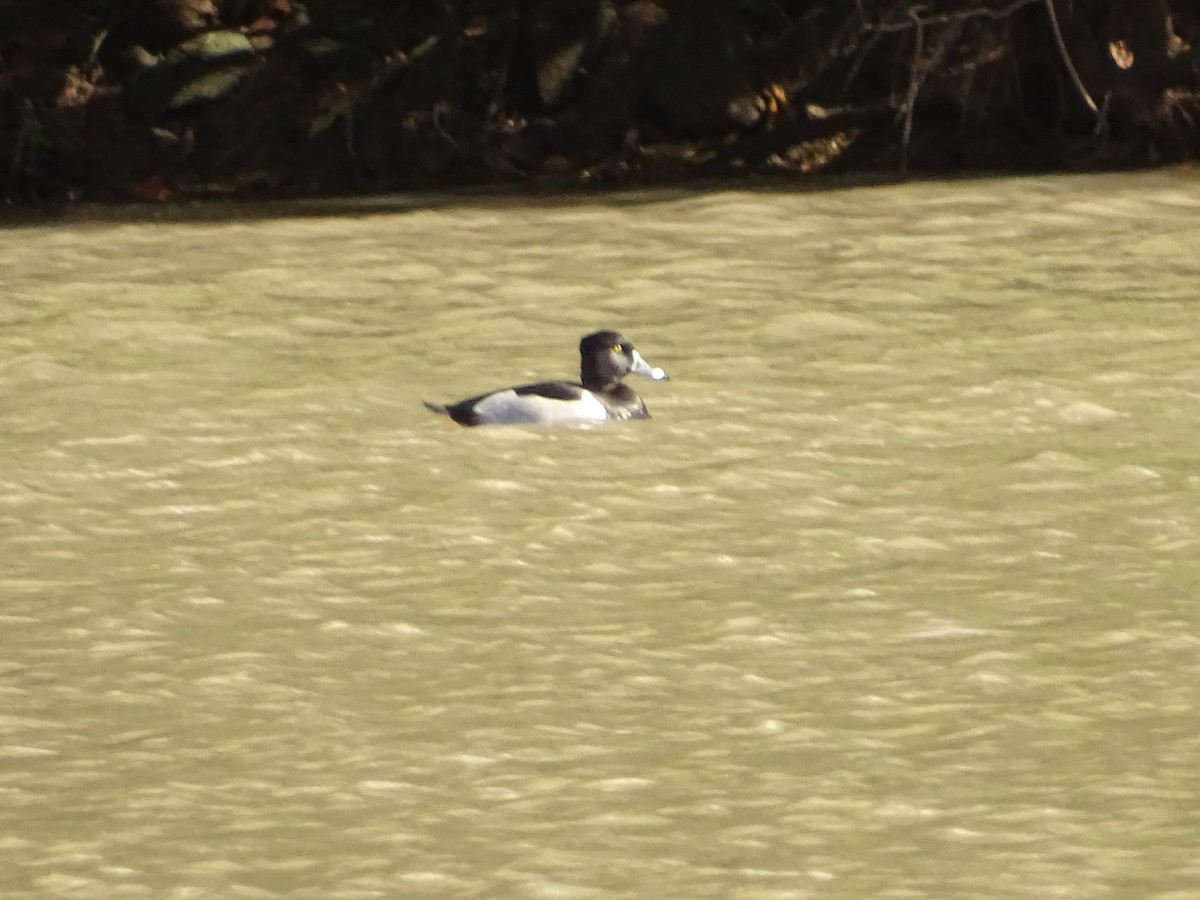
154 99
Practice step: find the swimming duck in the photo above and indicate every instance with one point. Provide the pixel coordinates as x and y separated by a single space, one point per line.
605 357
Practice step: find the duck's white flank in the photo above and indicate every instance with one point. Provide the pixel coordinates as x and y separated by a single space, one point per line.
510 408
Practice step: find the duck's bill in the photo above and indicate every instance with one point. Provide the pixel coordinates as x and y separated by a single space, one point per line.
643 368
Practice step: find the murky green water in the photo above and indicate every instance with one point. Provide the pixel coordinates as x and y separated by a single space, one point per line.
894 597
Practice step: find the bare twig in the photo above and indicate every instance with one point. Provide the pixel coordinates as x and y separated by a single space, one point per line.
915 77
981 12
864 50
1066 58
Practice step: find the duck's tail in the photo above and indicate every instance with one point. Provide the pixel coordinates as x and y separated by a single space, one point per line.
437 407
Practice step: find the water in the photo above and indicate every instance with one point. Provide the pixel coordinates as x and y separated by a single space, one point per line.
893 597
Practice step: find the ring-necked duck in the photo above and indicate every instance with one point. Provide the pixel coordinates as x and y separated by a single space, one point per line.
605 357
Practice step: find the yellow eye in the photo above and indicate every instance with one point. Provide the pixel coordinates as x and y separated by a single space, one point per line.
617 349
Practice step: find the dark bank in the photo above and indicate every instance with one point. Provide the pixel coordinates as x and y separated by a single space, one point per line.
155 100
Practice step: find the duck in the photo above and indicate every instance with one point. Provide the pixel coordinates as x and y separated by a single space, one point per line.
605 358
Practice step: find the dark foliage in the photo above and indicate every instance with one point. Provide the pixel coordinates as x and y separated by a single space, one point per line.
150 99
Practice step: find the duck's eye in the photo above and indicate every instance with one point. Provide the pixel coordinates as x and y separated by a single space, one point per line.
617 348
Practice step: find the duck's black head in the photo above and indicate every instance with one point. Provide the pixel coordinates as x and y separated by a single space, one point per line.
605 357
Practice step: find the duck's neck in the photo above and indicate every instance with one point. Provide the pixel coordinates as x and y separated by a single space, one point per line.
590 377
